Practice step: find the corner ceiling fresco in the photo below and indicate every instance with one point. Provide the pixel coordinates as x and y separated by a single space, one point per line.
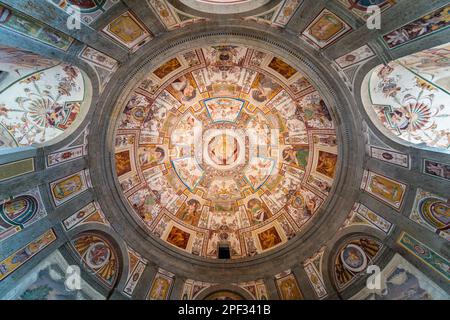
225 144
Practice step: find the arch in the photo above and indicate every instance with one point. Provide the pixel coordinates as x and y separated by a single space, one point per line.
41 100
222 292
408 99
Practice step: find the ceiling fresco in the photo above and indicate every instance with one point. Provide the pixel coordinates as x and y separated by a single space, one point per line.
225 144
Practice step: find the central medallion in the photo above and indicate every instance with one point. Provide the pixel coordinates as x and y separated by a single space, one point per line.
223 149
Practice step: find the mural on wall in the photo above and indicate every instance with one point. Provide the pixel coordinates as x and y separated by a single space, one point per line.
432 22
425 254
313 269
19 212
66 188
246 156
325 29
47 280
98 256
360 7
363 216
390 156
437 169
128 31
257 289
353 258
408 98
90 10
21 256
400 280
136 267
41 106
161 286
433 212
19 23
287 286
385 189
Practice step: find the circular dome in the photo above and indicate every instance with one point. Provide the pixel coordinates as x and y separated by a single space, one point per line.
225 146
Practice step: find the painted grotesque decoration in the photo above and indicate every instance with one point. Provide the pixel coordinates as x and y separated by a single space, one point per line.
225 144
410 97
42 103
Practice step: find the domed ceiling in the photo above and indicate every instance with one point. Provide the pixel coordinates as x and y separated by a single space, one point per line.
225 144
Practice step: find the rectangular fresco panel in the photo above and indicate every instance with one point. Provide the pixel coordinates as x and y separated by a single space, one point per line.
387 190
436 169
19 212
99 59
425 254
46 281
33 29
430 23
397 158
17 259
325 29
128 31
355 57
16 168
400 280
65 156
432 212
161 286
68 187
287 286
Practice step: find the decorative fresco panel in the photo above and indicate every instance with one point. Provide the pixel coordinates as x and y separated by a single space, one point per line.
390 156
387 190
402 281
245 156
433 212
19 212
355 57
128 31
361 215
68 187
161 286
35 30
17 259
313 269
65 156
325 29
436 169
17 168
90 213
137 266
425 254
430 23
287 286
41 106
98 256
